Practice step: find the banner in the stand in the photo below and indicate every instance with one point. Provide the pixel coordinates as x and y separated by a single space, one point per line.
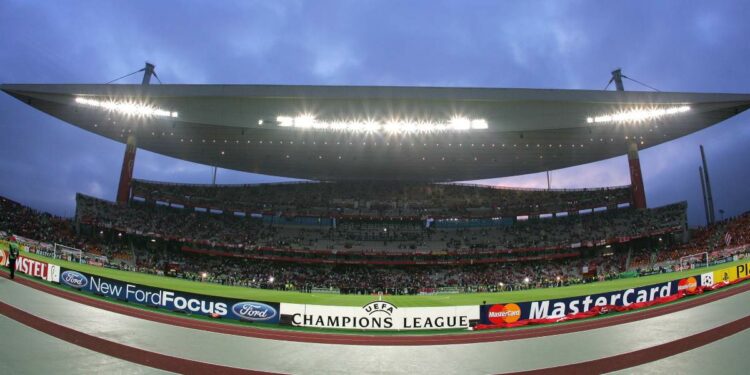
190 303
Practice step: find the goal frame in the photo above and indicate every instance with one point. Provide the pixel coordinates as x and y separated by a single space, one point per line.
693 256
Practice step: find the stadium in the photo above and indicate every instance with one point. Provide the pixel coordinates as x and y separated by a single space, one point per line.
378 248
374 187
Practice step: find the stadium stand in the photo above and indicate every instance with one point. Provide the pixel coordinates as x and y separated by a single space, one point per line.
380 198
231 231
189 244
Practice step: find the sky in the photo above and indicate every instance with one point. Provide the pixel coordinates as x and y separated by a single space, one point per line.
682 46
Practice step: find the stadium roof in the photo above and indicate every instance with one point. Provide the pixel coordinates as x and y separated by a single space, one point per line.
372 133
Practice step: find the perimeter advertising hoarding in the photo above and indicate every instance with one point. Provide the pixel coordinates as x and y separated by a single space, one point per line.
36 268
217 307
33 267
379 315
557 308
726 274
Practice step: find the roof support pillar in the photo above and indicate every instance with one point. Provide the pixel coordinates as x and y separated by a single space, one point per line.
128 160
638 192
126 173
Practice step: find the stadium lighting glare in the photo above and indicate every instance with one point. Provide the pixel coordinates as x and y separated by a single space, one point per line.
637 115
393 126
127 108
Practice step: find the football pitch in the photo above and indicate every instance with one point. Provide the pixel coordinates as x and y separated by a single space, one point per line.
459 299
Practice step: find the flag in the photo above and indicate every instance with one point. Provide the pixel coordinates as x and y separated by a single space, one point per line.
728 238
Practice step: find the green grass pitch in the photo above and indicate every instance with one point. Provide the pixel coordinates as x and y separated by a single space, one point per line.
255 294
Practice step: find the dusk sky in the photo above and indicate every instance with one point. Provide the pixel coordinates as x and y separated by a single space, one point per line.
679 45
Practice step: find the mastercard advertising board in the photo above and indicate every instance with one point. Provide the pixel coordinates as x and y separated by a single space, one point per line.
499 313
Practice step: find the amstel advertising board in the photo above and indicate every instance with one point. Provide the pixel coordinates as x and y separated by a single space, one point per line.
33 267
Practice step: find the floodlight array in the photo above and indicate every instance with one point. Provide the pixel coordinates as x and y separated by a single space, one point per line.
126 108
456 123
637 115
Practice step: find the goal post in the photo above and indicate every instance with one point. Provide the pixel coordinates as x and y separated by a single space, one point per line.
694 260
68 253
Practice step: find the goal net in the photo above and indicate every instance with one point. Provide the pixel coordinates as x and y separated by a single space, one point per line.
692 261
72 254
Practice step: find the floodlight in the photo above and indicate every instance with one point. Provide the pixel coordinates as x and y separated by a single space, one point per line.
637 115
130 108
457 123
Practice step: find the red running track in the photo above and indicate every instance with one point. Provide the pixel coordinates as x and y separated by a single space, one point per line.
188 366
392 340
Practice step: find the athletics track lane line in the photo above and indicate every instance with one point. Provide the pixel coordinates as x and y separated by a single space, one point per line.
364 339
187 366
117 350
646 355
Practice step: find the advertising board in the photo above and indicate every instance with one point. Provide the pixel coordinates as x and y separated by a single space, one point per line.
379 315
217 307
33 267
557 308
726 274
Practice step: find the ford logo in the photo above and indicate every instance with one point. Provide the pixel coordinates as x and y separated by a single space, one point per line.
254 311
74 279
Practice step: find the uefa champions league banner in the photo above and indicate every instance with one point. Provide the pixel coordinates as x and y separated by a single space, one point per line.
558 308
379 315
217 307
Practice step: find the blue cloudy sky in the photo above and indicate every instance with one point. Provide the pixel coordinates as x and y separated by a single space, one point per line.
672 45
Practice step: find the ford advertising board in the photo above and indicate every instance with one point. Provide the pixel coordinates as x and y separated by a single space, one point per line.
217 307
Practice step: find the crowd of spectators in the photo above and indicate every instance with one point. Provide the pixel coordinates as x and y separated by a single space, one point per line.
705 242
241 232
381 198
44 227
373 279
28 222
156 257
